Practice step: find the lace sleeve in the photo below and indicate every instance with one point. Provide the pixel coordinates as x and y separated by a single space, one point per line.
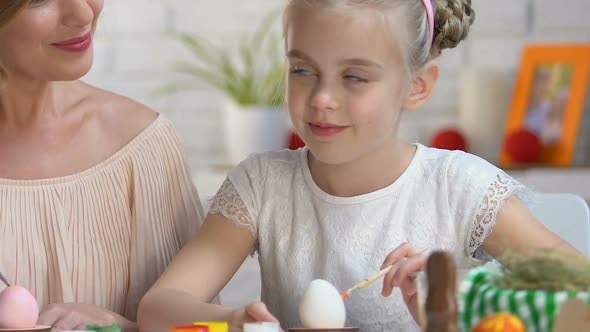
485 218
228 203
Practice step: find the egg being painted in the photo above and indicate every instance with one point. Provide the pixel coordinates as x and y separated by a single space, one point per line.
322 306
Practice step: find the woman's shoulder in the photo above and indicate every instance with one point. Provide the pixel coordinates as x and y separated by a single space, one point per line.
117 125
122 117
115 120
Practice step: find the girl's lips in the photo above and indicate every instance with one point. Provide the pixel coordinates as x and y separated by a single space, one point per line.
325 129
79 44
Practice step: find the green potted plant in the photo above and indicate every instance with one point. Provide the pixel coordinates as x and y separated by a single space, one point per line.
252 76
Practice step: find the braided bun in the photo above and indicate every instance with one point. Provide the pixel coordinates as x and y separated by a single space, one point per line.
453 20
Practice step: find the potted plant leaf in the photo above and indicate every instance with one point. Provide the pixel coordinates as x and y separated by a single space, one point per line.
252 75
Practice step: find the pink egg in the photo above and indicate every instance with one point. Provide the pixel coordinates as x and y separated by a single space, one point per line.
18 308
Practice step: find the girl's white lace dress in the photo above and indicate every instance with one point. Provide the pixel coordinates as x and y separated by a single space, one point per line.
444 200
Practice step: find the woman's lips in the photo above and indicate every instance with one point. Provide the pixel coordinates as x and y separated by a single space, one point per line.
323 129
79 44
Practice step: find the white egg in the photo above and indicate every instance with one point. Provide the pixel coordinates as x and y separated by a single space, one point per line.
322 306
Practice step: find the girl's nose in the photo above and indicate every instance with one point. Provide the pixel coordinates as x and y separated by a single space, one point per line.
324 98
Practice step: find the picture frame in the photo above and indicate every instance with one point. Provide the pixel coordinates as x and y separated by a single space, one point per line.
549 100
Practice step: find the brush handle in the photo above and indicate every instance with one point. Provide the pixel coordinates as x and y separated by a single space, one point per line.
377 276
3 278
369 280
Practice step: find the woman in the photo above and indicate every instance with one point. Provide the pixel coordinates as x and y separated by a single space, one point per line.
95 193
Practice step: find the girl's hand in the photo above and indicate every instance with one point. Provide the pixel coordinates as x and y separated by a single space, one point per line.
253 312
404 276
75 316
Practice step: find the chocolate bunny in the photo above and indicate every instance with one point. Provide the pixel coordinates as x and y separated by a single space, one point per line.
441 303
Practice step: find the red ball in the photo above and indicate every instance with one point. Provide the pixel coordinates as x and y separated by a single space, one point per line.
295 142
523 146
449 139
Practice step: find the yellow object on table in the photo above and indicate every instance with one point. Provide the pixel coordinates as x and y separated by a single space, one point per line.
215 326
190 328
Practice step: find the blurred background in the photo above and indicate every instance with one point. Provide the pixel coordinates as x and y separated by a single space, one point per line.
138 41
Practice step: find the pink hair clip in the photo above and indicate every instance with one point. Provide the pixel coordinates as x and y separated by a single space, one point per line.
430 14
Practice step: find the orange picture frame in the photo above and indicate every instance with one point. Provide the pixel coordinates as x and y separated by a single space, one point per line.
549 100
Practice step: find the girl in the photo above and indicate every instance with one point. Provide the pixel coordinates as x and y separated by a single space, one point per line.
357 198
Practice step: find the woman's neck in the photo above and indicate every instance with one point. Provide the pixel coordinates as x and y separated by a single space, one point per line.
372 171
27 104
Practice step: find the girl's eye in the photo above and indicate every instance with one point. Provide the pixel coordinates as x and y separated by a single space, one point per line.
301 72
37 2
355 78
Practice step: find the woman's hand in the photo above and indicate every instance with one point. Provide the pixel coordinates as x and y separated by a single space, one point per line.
75 316
404 276
253 312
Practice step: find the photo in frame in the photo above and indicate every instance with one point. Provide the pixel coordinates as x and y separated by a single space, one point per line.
551 101
582 152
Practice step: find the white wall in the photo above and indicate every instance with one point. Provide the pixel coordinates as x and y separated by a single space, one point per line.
136 44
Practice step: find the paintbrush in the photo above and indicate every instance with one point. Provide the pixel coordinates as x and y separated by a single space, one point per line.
375 277
3 279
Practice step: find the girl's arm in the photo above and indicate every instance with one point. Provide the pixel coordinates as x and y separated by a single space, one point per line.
518 230
196 276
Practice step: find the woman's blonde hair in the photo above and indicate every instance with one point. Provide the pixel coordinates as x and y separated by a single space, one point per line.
452 18
8 10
